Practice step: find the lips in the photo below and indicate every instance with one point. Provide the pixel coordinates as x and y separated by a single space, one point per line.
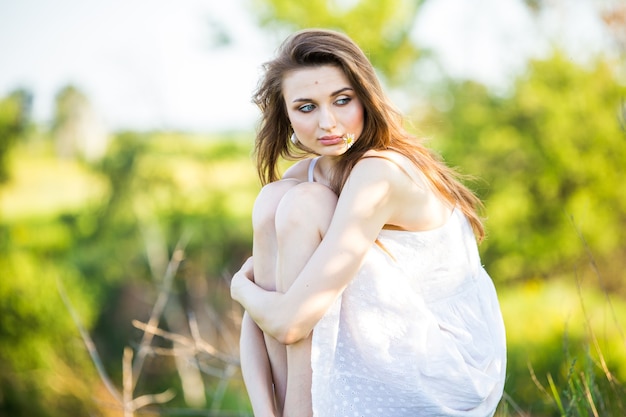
330 140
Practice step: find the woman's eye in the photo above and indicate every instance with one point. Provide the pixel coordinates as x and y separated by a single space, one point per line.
343 101
306 108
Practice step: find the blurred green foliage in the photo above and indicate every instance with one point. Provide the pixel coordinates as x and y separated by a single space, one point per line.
550 157
110 253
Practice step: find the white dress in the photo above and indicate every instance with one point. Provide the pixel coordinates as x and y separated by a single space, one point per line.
418 332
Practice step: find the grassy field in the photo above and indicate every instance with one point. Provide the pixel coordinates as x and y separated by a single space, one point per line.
41 186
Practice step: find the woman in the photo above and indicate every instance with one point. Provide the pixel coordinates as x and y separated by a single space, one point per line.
365 264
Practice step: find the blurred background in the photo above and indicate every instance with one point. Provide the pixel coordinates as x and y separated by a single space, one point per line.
127 182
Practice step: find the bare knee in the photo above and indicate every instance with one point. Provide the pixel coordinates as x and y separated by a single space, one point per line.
305 208
266 203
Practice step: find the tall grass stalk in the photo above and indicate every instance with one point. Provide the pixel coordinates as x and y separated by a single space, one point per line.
590 389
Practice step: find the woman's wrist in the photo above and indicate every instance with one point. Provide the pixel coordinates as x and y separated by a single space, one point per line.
242 279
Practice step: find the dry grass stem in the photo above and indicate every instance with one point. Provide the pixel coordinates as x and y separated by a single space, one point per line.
159 305
89 344
195 346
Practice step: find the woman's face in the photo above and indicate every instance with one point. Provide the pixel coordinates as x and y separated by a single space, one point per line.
323 108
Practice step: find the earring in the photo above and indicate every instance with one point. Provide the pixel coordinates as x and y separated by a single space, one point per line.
294 138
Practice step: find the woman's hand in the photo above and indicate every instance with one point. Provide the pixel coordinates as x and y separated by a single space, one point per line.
241 279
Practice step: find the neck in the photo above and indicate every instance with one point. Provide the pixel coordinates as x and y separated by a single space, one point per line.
324 168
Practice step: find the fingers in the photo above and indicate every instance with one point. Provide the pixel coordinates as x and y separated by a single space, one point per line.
245 273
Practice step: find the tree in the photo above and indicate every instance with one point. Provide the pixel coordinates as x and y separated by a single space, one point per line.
553 157
383 29
76 128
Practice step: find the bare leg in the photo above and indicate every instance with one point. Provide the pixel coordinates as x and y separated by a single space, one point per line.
256 369
263 359
302 218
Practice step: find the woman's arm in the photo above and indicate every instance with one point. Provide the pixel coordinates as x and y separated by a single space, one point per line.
369 199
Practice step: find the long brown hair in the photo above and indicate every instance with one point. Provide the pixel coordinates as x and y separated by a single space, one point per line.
382 128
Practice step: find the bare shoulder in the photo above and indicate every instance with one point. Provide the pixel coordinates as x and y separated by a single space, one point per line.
416 206
395 167
390 156
298 171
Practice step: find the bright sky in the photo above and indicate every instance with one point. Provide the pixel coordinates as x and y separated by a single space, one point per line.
142 63
149 64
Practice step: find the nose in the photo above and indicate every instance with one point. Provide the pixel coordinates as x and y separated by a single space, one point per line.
327 120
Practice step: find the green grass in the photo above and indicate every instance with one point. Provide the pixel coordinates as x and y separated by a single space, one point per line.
567 351
41 185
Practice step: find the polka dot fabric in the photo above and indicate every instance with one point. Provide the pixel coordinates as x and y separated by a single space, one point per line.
417 333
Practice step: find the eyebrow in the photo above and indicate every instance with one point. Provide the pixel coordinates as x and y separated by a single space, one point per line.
334 93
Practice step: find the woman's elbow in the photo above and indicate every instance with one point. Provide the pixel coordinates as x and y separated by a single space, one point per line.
288 334
294 337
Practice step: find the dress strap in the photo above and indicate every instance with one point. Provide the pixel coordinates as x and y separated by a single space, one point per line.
312 168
